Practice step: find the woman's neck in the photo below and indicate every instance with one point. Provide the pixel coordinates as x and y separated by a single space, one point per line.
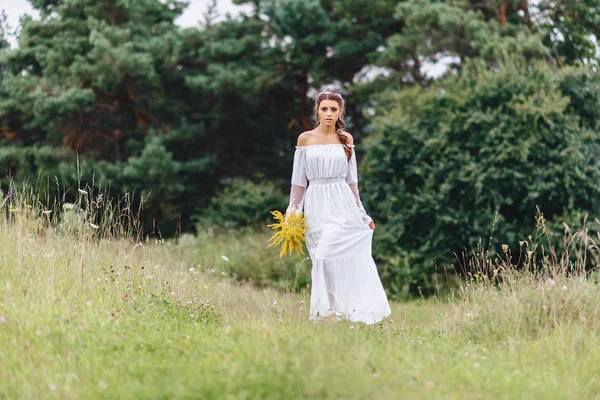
326 131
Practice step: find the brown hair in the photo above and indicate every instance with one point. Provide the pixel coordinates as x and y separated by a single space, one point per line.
333 94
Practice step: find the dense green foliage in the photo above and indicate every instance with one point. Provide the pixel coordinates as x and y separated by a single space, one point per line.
243 203
465 120
479 152
147 106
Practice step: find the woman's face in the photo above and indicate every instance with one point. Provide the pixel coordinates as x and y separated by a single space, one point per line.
328 112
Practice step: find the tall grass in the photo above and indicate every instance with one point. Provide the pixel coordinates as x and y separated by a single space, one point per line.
246 258
91 214
89 313
547 286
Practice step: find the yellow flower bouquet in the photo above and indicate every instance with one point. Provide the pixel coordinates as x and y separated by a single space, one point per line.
290 234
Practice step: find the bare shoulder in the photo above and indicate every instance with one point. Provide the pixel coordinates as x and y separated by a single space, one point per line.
349 137
305 138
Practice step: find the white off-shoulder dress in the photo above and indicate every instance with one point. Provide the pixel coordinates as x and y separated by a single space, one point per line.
345 281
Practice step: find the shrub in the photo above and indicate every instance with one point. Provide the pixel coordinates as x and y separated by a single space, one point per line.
476 154
243 204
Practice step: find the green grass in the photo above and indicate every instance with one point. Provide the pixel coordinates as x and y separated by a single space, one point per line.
82 317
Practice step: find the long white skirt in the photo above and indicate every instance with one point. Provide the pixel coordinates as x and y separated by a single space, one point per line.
345 281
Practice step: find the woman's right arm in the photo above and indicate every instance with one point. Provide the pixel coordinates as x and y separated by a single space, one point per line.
299 180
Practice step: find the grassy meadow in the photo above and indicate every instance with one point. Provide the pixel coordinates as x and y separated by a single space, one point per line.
85 315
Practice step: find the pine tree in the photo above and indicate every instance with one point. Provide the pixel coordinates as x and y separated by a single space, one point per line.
88 74
99 78
327 42
232 69
571 28
148 107
455 31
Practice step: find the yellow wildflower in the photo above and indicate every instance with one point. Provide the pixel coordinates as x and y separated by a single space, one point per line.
291 232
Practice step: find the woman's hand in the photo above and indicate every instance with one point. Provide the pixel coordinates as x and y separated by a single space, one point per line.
372 225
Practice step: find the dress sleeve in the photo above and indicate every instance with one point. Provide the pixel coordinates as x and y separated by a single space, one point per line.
352 181
299 181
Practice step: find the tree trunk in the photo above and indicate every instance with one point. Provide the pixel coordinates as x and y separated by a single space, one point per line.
4 132
502 15
131 91
525 8
417 75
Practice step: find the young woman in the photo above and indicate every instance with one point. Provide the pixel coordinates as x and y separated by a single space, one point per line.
345 282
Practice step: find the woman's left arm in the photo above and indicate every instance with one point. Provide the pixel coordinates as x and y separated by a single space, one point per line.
352 181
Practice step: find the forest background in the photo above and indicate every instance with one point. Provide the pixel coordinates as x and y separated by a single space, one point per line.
471 118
